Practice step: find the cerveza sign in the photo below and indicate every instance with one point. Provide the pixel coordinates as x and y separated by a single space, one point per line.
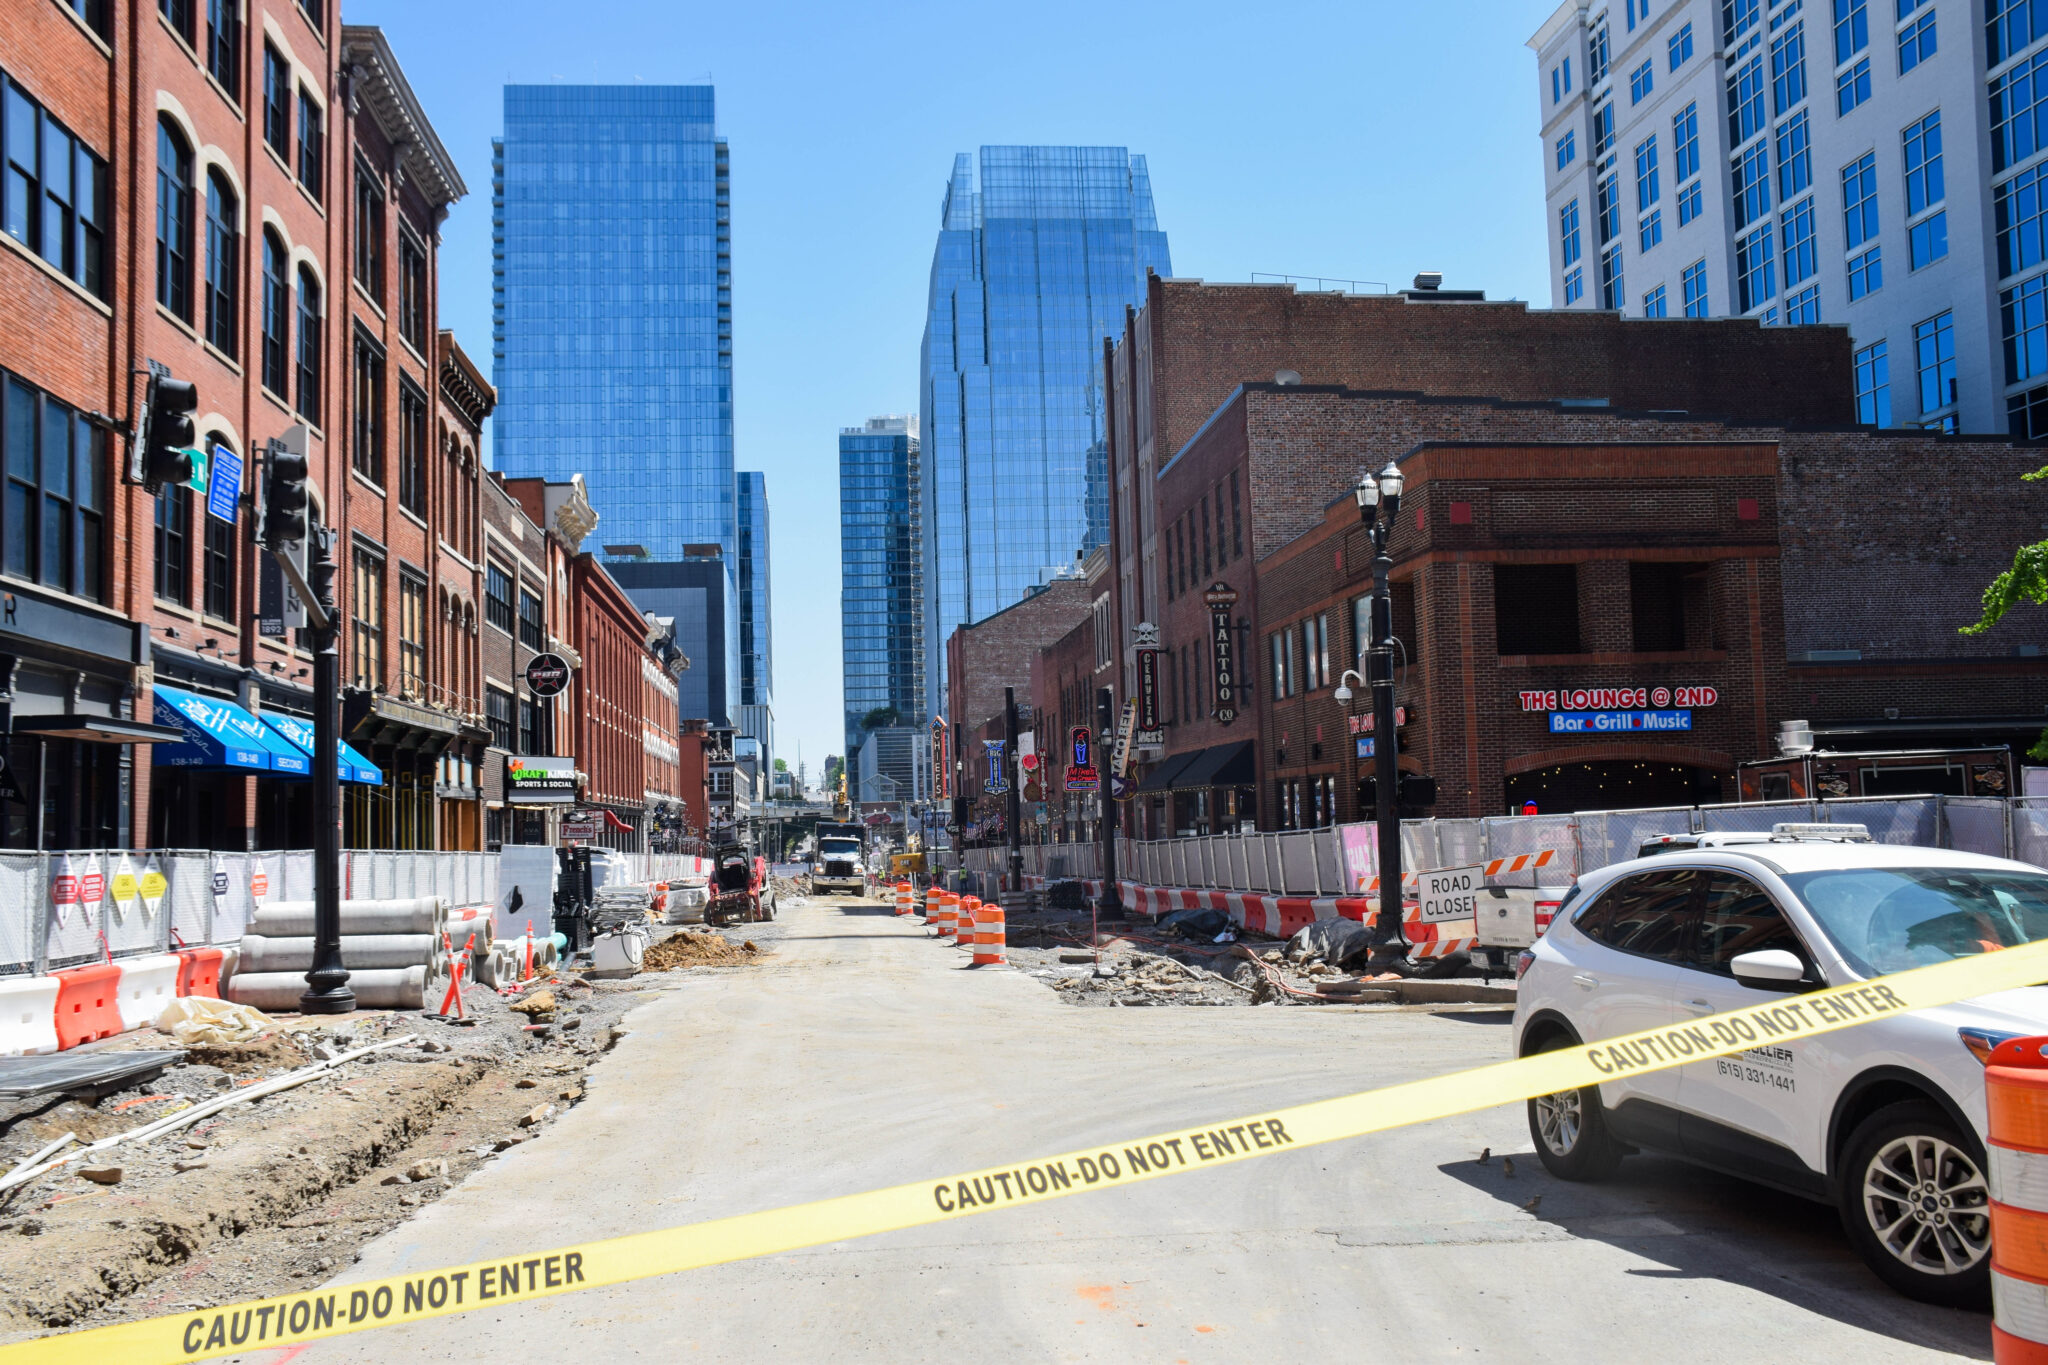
1617 722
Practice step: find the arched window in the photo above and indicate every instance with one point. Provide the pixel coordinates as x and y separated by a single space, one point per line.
309 346
173 220
217 557
223 264
277 313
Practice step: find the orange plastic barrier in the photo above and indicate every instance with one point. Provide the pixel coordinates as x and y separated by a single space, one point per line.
88 1003
963 923
903 898
199 971
2016 1100
989 935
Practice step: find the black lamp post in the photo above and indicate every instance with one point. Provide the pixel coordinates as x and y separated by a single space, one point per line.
1379 500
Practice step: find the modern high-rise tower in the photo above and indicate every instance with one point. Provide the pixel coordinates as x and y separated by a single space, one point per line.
612 324
1036 261
757 653
881 597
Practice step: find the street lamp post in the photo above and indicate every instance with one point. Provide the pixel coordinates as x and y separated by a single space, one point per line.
1379 500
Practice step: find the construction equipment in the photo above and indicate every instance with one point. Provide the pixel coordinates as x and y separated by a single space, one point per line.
738 887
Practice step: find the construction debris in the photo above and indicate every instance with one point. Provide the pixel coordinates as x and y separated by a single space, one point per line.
697 950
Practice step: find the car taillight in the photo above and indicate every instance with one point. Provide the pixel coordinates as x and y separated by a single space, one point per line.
1523 960
1545 912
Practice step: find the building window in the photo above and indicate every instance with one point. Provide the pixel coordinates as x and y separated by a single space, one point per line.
1916 42
55 200
2019 112
1280 644
277 311
224 45
55 498
533 631
1607 203
1866 274
1650 231
1739 17
1647 188
1788 69
1689 203
1755 280
1685 143
1574 285
1852 87
218 555
178 14
412 634
1803 308
1934 356
366 445
412 449
1598 54
2024 312
366 620
1560 80
1795 165
1568 231
1315 652
1654 305
1640 83
1852 29
277 103
312 144
498 715
316 14
1536 608
498 597
1746 102
412 291
1567 148
1611 291
1859 200
532 732
370 235
1751 174
1873 386
1667 602
1208 566
174 544
1924 184
1603 128
2026 414
1800 243
309 346
94 12
1680 46
1694 282
2021 217
1927 240
173 220
223 263
2012 25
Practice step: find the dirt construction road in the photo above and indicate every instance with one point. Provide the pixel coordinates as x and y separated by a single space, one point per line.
865 1055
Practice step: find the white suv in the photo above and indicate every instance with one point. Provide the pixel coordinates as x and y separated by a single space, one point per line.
1884 1120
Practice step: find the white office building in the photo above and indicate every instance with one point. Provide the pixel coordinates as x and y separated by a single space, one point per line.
1874 163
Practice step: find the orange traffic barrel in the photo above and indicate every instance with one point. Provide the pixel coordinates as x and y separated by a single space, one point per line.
2016 1102
989 936
963 925
942 917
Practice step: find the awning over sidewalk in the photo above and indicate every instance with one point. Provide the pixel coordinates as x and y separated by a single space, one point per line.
1161 778
1219 765
222 735
354 767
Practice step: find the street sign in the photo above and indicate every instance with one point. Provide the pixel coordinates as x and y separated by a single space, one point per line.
224 489
547 675
1451 895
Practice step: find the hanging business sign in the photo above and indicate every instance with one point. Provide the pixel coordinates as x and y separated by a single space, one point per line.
1120 751
1221 597
1151 728
1363 725
1081 774
1619 710
533 781
1027 751
942 768
547 675
998 780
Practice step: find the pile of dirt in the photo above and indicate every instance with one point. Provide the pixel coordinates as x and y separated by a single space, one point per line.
697 950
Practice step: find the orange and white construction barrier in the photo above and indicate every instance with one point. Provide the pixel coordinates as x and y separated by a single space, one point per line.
2016 1101
942 914
932 899
903 898
989 936
963 923
1521 862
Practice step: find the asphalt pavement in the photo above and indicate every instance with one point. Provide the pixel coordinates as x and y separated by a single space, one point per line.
863 1054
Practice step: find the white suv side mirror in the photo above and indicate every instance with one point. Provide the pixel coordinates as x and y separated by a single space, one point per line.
1768 968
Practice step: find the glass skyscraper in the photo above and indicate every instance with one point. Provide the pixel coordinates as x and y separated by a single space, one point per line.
881 598
757 661
1036 261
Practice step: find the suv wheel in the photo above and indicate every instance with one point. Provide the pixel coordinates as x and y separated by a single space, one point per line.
1570 1130
1916 1204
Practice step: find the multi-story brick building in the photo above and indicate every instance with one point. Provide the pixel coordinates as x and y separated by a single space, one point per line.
1064 677
624 709
997 652
517 627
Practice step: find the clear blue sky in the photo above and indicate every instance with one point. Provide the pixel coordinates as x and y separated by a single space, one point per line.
1365 140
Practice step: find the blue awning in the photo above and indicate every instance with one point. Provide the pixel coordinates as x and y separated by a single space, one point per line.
354 767
221 734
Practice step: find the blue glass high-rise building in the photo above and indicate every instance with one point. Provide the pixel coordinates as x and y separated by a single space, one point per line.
757 655
881 597
1036 261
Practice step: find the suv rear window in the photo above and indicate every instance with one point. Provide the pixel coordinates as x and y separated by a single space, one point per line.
1649 914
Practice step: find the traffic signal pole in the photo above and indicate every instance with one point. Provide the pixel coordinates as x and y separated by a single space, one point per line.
1013 807
327 989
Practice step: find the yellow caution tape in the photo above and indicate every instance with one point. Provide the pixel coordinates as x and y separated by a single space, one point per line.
494 1283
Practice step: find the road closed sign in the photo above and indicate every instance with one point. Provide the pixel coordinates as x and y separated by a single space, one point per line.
1451 895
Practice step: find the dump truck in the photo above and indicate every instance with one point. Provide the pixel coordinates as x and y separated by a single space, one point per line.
840 862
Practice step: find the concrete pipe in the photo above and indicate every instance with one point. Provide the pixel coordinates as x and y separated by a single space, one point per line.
391 988
465 920
294 919
261 953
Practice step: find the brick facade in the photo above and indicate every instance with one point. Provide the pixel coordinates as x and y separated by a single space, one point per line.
996 652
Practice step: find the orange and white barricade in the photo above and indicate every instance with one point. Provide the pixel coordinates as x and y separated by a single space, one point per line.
942 914
932 897
2016 1101
963 923
903 898
989 935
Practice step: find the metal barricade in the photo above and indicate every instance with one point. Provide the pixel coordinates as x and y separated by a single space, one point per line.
22 890
1977 824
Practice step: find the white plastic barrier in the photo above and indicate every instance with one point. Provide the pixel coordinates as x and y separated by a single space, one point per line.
28 1015
147 985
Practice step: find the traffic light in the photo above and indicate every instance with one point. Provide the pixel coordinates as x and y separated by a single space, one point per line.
284 500
167 435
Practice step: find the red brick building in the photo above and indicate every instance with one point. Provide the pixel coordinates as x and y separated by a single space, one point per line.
996 652
625 718
1064 676
518 626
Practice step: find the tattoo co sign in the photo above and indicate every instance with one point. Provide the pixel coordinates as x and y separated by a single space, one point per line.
1221 597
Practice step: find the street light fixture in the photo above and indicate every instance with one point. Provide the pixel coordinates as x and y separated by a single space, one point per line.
1379 501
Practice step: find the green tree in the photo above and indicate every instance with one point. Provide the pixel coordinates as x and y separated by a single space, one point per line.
879 717
781 765
2025 581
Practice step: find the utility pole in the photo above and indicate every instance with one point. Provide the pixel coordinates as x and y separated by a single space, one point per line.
1012 806
1379 499
1106 820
